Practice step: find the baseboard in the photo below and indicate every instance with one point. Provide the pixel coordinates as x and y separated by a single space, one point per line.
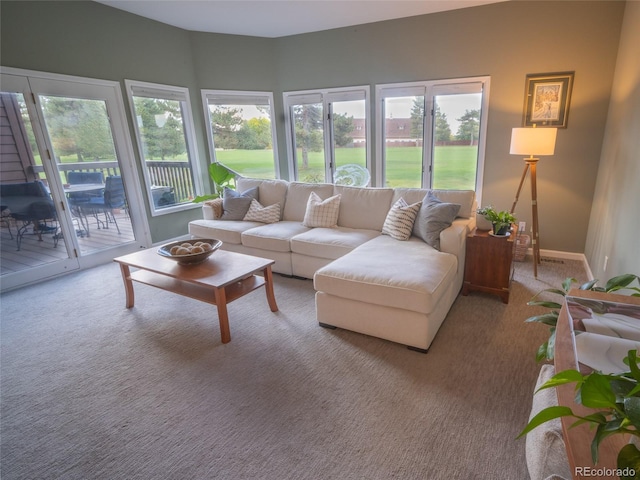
580 257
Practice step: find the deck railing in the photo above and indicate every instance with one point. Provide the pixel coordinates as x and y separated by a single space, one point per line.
161 173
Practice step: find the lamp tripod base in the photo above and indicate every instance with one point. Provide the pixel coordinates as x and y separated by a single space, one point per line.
530 164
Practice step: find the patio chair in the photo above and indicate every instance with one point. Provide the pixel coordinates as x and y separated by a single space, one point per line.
78 198
77 178
113 198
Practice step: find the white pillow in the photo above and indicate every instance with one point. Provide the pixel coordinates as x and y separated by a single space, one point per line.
258 213
400 219
322 213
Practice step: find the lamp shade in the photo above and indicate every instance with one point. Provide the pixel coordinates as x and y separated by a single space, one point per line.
533 141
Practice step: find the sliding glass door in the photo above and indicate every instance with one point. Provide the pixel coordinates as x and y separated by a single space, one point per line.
75 147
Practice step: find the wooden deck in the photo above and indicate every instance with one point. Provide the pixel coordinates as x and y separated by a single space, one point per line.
34 253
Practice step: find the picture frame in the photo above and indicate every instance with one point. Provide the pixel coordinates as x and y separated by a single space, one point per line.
547 97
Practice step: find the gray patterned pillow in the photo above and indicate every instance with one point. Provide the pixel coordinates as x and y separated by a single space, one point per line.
235 204
433 218
322 213
399 221
258 213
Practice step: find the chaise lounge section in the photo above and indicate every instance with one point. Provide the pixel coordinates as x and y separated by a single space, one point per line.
366 280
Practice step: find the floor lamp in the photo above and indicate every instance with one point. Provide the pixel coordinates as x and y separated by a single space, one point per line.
532 141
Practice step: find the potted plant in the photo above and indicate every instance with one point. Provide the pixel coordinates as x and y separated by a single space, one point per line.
501 220
616 398
222 176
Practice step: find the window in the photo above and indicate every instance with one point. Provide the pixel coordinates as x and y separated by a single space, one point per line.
241 131
164 129
443 149
327 135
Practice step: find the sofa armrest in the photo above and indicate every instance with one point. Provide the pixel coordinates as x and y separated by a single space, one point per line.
212 209
452 239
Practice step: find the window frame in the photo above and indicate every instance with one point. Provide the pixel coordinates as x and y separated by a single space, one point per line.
167 92
239 96
326 96
429 89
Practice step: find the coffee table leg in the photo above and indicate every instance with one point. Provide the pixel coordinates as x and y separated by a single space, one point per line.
128 284
223 316
268 285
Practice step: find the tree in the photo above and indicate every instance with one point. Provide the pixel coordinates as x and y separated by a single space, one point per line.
161 128
78 127
417 118
469 128
255 134
342 128
308 126
443 130
226 122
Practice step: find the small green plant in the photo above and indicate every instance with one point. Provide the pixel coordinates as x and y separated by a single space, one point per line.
222 176
617 400
501 220
547 349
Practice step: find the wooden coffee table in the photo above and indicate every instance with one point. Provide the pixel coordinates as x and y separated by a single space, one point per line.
221 279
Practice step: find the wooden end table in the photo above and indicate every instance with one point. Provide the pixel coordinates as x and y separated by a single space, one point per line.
488 263
221 279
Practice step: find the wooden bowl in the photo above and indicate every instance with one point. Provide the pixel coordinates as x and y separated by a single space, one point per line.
189 258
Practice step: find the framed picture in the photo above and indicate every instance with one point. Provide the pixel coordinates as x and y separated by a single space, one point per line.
546 99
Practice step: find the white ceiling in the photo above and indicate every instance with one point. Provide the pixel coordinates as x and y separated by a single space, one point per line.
278 18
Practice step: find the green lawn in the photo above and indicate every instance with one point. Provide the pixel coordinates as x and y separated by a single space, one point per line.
455 166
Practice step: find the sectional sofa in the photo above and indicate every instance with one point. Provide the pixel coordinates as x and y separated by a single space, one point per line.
366 279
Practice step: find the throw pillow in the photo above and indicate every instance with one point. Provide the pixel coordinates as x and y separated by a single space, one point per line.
433 218
321 213
399 221
258 213
235 204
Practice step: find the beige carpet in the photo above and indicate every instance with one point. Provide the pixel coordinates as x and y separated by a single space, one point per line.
91 390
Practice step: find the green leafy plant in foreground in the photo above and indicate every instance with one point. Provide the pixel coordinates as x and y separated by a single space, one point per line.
221 176
547 349
617 400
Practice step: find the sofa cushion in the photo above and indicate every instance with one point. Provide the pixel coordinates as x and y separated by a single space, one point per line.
321 213
545 449
258 213
400 220
297 195
270 192
409 275
434 216
410 195
228 231
274 236
465 198
363 207
330 243
236 204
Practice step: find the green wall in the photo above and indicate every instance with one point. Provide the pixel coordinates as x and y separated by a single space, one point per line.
505 40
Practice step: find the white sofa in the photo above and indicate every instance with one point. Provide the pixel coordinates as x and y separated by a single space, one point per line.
365 281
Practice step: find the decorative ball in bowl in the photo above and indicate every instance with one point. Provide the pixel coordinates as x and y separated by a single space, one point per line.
190 252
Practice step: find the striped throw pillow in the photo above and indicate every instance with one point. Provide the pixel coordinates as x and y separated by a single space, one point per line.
321 213
258 213
399 221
